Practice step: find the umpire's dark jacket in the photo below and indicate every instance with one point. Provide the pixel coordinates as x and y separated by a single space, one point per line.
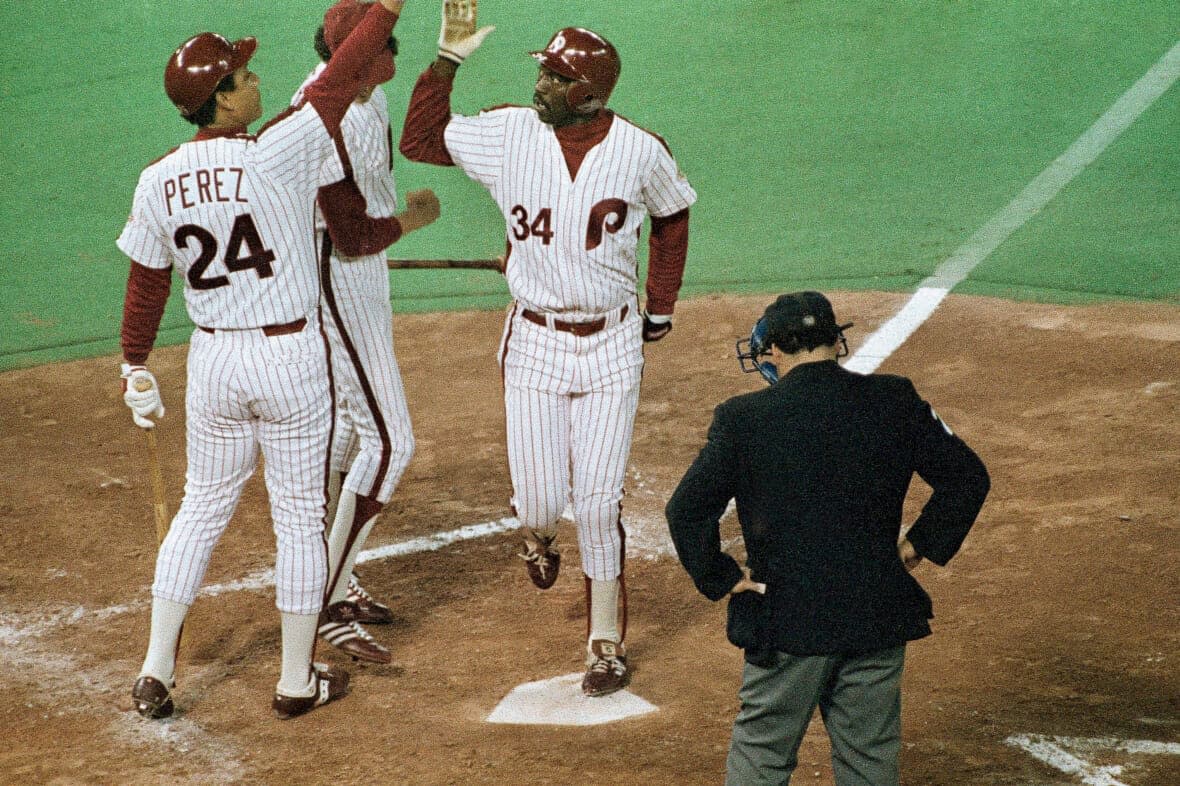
819 464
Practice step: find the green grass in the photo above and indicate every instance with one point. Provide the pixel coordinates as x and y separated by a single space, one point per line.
833 144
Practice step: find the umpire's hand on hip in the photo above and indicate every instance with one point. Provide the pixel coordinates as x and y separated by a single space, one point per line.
747 584
141 393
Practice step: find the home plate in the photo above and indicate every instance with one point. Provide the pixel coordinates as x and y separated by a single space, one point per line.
559 701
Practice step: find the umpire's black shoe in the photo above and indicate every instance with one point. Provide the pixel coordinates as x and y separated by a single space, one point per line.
152 699
330 684
542 560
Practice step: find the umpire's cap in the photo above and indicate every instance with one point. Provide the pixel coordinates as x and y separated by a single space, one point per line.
800 320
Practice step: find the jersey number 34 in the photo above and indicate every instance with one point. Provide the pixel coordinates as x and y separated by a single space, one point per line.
608 215
245 233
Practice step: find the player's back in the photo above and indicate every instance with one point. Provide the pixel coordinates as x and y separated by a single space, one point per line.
234 214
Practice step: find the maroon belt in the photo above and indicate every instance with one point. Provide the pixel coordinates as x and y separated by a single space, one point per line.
271 330
581 329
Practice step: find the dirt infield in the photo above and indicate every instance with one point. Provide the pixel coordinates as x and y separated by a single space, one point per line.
1061 616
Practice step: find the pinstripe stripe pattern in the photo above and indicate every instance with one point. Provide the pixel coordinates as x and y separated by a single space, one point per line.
373 440
570 401
570 406
210 183
248 392
519 160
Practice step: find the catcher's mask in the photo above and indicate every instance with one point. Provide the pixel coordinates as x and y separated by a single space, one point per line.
755 347
794 322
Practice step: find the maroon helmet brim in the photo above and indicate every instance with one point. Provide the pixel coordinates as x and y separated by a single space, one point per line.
243 51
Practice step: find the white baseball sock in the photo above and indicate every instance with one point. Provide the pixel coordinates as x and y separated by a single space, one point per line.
341 589
167 620
604 610
340 564
299 632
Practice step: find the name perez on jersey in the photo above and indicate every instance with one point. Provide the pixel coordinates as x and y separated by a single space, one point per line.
218 184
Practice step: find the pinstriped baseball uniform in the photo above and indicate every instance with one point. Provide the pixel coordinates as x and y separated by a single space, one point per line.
372 439
571 399
233 215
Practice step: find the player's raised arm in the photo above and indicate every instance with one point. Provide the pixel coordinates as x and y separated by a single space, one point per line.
343 78
430 103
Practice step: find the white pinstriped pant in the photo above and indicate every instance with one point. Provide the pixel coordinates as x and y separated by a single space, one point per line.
247 391
373 440
570 406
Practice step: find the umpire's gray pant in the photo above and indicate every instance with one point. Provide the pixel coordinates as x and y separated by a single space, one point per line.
859 697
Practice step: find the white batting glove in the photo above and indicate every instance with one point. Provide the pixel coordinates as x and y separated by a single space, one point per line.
458 37
141 393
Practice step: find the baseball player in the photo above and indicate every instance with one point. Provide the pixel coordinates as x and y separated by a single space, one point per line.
371 440
233 213
574 182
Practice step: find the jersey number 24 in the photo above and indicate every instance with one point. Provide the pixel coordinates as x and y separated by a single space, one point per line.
258 257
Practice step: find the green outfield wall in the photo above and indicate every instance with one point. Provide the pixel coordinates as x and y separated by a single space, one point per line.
833 144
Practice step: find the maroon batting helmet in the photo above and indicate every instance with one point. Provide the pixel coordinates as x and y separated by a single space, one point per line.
586 57
339 21
198 66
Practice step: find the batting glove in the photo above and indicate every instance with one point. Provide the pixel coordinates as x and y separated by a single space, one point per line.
458 37
141 393
656 326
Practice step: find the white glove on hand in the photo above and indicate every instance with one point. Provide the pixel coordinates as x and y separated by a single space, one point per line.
141 393
458 37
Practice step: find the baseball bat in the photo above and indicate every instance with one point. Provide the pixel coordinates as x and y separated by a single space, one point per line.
159 500
444 264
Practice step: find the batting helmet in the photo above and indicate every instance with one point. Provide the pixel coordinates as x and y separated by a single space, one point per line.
340 20
586 57
198 66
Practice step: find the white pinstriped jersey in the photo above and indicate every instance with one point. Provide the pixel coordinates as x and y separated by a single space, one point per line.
233 215
365 130
573 243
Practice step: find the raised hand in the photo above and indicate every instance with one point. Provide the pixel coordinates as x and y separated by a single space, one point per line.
459 37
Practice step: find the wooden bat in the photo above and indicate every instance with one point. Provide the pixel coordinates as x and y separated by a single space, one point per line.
444 264
159 500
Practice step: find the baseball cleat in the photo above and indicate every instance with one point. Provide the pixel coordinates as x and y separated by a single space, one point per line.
607 670
542 560
371 612
341 611
331 684
351 639
152 699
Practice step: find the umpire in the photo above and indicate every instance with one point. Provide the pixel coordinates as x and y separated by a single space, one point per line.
819 464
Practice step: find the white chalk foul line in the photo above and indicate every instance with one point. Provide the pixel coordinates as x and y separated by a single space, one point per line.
16 628
1038 193
1056 752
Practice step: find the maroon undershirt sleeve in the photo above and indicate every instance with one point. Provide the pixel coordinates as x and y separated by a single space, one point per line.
353 231
426 120
343 78
143 308
667 252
